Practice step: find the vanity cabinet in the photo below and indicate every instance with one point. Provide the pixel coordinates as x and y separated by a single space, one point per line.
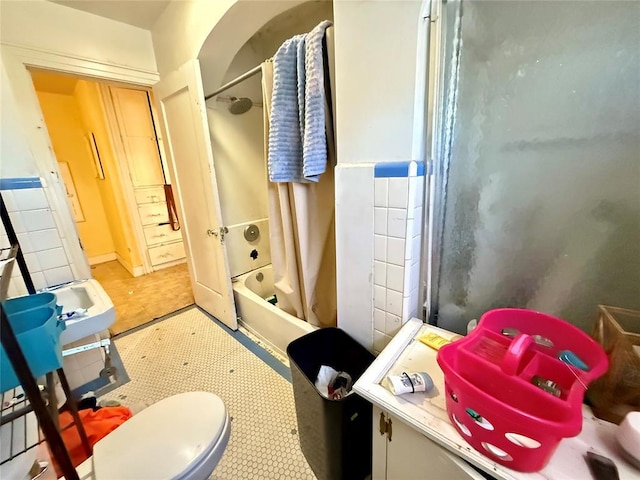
418 440
402 453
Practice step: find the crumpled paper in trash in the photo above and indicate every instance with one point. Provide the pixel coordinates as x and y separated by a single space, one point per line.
326 379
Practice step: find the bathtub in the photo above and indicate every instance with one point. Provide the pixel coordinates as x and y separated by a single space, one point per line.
262 318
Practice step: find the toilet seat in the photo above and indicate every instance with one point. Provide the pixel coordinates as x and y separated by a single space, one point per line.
180 437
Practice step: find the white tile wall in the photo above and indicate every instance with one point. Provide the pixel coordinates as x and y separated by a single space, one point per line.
395 277
380 248
38 280
45 239
38 220
394 302
398 206
40 240
239 249
30 199
25 242
84 367
393 323
32 262
380 273
397 222
56 276
17 222
398 195
381 192
395 251
379 220
9 201
379 318
380 297
52 258
380 340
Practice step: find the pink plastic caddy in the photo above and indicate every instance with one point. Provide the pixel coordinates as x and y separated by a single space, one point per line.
507 392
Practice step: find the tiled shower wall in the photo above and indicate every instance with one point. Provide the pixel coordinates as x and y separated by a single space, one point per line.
397 222
379 210
39 236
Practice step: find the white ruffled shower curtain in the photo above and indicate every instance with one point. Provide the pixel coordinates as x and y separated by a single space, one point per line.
302 229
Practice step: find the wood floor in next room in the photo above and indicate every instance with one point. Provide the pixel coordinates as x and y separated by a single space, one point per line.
141 299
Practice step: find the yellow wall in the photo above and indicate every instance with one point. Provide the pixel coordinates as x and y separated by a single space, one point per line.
67 134
89 101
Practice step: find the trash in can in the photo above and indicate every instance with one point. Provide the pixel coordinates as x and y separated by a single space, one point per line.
335 434
333 384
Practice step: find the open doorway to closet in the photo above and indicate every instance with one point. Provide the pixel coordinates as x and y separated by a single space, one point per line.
111 162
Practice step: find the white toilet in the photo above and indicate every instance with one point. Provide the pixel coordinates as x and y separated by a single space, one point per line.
181 438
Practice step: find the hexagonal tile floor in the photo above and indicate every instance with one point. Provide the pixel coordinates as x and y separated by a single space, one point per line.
190 351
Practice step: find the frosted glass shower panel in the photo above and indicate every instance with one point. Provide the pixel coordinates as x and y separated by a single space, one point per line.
542 206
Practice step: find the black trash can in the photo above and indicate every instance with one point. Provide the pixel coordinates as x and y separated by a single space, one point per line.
335 435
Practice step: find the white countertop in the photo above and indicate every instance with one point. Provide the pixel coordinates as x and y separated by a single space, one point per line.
426 413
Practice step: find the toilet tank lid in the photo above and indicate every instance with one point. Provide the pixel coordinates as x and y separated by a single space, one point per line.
164 440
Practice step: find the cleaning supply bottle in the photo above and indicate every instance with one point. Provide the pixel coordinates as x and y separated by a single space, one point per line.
410 383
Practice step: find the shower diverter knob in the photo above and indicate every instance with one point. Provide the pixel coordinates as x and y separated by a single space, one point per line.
251 233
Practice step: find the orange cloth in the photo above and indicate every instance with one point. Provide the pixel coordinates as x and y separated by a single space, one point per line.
96 424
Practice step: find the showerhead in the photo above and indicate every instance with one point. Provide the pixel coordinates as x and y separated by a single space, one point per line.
239 106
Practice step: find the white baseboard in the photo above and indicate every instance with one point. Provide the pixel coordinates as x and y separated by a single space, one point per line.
138 271
107 257
135 271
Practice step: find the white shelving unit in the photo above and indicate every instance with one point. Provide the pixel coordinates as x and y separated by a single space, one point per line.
32 412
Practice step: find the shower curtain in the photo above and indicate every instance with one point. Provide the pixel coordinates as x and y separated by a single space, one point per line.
302 232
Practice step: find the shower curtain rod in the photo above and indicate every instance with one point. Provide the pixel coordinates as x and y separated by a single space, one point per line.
241 78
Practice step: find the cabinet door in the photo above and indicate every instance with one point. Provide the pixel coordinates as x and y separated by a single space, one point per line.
412 456
138 136
379 447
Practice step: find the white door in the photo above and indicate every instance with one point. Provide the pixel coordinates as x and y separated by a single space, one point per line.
183 119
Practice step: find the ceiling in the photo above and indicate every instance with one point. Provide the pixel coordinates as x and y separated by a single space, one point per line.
53 82
139 13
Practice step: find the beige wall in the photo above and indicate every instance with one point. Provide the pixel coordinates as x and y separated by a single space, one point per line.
16 157
88 98
376 45
47 26
68 138
181 30
213 31
376 56
238 140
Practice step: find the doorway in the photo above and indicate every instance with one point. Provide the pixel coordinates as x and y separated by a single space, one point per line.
110 161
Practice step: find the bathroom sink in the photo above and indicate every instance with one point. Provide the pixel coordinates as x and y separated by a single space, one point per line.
90 296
